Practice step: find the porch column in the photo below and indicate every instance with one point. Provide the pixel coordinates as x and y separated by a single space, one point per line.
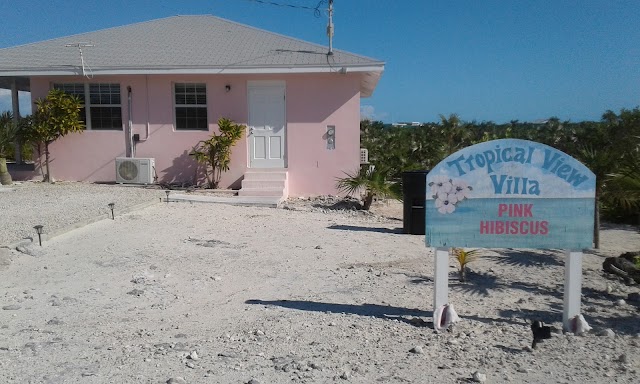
16 117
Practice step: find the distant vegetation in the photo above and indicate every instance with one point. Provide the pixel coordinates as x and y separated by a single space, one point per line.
609 147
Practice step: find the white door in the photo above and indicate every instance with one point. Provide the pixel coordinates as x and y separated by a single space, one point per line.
267 125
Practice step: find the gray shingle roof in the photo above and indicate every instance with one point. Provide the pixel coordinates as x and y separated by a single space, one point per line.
177 43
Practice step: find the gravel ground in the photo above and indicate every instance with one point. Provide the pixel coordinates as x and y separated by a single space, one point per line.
316 292
211 293
57 206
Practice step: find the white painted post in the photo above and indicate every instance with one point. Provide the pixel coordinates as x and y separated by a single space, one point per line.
15 104
441 280
572 287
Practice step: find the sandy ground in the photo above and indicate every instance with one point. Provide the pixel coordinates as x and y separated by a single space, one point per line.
221 294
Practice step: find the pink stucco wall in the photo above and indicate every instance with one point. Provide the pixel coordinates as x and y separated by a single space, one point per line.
313 102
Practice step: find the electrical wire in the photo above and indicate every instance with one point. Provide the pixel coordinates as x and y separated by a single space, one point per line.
317 12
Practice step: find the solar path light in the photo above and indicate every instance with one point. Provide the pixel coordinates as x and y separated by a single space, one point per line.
111 205
167 192
38 229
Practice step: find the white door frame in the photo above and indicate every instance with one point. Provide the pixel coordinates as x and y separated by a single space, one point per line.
281 84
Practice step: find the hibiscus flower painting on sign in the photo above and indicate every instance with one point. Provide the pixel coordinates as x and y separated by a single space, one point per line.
448 192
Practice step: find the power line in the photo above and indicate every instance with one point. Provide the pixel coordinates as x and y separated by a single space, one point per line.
316 10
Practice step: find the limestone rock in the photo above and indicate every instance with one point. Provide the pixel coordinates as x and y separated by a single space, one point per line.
479 377
607 333
417 350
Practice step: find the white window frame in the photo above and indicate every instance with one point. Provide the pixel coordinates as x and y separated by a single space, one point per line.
205 106
87 104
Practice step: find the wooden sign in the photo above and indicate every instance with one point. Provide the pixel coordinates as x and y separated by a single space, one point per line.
510 193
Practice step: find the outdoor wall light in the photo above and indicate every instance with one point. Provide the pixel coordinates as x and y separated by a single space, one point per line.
227 87
38 229
167 192
111 205
331 137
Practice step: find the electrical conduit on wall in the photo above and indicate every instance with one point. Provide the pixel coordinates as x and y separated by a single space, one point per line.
132 147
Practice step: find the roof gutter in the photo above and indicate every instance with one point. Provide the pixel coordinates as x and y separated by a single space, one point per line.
370 73
72 71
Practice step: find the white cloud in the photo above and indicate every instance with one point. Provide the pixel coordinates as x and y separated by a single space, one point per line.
368 112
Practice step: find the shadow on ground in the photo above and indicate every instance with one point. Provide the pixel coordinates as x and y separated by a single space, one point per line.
525 258
365 229
373 310
341 205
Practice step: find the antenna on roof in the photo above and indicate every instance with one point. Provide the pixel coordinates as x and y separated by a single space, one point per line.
80 46
330 28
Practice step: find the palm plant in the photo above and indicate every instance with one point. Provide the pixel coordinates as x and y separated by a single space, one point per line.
623 186
215 152
464 257
371 182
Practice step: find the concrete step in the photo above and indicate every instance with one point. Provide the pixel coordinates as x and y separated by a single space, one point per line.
275 192
258 175
263 184
270 182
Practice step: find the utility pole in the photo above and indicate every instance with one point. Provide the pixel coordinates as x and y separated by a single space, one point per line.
330 28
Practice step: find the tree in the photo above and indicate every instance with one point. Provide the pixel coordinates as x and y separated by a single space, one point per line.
56 116
623 189
8 132
215 153
606 148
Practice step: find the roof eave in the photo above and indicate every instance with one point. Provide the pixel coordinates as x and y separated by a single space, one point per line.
369 82
102 71
371 72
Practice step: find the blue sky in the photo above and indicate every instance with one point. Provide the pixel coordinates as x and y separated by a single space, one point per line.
484 60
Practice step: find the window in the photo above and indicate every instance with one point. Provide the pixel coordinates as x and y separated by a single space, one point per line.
106 112
101 109
78 91
191 106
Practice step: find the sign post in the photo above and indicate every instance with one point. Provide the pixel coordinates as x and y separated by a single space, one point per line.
441 281
572 287
511 193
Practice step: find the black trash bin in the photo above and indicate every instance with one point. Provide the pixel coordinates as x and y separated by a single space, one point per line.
414 190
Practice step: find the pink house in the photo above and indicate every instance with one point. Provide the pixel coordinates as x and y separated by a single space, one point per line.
154 89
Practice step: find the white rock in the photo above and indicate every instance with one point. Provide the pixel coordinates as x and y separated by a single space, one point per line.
176 380
608 333
417 350
190 364
620 302
479 377
194 356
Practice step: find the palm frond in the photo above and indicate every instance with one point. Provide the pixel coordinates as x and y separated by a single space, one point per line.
465 257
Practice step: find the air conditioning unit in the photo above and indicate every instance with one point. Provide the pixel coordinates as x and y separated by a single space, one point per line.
364 156
135 170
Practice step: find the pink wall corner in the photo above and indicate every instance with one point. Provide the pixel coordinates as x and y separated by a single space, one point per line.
319 101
